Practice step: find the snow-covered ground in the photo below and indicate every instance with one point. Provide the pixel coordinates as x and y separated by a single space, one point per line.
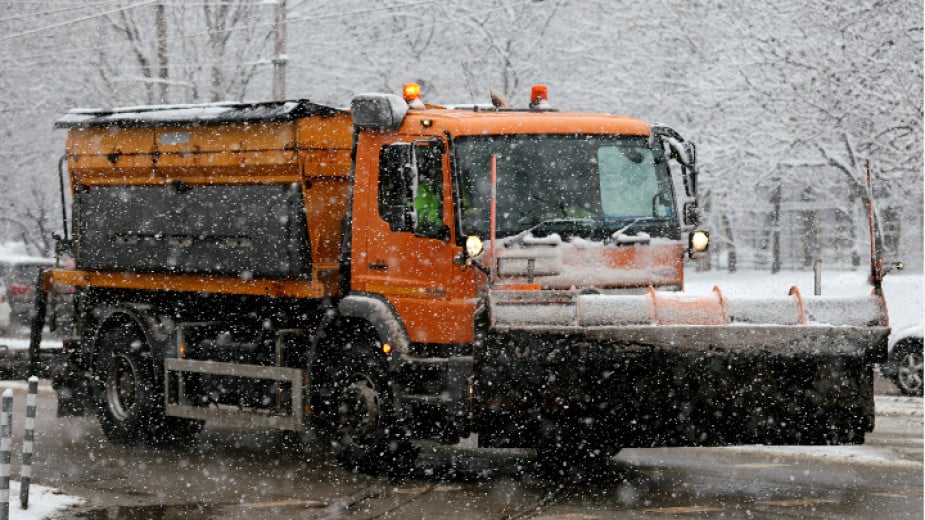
43 502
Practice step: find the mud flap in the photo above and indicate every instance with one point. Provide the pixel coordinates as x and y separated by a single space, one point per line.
69 381
66 377
38 324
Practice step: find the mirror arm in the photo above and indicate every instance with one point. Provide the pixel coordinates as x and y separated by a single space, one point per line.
478 265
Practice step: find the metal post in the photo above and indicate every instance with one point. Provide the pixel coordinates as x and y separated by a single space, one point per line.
817 272
25 474
494 266
160 22
6 433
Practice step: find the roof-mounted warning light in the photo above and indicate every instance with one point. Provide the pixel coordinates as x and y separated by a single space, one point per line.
539 97
412 94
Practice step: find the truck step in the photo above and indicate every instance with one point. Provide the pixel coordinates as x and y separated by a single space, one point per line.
285 417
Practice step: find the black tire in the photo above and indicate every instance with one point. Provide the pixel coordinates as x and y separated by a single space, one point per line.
130 403
907 357
354 408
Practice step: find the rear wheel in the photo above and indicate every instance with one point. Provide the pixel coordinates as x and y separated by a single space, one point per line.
130 404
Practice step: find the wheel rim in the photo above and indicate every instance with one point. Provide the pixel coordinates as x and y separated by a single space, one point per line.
910 372
358 411
121 387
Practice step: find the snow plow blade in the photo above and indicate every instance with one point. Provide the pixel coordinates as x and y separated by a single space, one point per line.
703 323
673 369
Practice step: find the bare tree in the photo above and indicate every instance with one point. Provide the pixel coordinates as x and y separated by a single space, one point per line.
32 221
760 87
185 53
505 44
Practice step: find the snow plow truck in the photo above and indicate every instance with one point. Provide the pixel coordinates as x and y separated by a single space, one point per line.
400 271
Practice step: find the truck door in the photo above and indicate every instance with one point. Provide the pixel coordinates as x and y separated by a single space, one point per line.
409 246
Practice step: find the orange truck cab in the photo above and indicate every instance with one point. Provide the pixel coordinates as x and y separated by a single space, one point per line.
400 271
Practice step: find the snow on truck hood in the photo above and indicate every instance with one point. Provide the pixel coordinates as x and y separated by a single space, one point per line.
581 263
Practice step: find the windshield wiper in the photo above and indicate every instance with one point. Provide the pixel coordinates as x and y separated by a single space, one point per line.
619 236
561 223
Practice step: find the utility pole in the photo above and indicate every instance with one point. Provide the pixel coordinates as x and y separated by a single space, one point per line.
279 58
160 20
775 231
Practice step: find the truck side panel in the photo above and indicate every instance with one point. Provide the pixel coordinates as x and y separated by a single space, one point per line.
252 231
324 154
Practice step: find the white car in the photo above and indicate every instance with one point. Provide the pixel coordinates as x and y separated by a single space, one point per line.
904 364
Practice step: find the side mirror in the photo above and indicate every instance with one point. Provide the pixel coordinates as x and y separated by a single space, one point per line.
682 151
690 169
691 214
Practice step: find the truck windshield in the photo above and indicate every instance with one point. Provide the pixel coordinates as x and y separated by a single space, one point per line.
587 186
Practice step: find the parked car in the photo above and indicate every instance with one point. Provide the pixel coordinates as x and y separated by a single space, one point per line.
904 364
19 274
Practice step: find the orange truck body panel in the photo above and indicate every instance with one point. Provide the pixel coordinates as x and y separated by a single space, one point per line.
438 305
312 151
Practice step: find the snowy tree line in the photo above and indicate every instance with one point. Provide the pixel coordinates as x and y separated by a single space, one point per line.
787 100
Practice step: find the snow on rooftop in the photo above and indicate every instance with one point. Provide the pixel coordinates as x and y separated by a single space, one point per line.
190 114
151 108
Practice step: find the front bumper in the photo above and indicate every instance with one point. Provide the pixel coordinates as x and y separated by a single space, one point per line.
708 324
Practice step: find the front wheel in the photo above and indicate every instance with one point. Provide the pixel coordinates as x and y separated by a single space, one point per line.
357 413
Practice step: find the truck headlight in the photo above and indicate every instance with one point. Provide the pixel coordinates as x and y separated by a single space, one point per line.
699 241
474 246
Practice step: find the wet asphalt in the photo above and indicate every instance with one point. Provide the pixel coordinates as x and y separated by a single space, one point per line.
233 474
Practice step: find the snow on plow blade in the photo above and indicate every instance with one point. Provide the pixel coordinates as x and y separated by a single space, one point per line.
710 322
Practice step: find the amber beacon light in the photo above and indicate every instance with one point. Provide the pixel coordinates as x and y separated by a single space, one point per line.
412 94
